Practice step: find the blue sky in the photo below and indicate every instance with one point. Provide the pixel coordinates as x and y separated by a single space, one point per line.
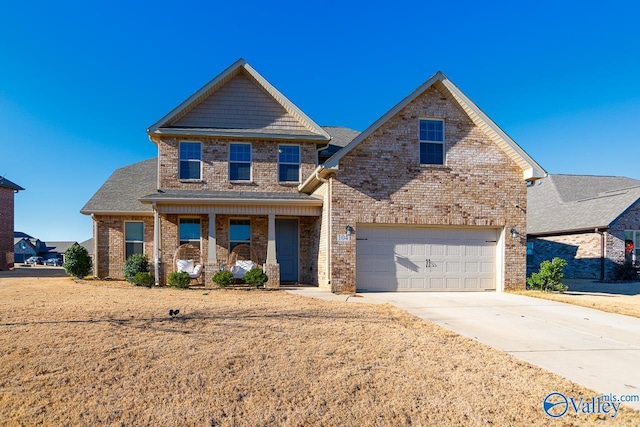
80 82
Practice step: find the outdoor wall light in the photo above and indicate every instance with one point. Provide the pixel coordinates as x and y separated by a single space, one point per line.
349 230
514 233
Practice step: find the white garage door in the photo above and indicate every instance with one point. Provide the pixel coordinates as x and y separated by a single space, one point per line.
425 259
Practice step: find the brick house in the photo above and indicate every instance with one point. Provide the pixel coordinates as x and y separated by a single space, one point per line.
592 222
423 199
7 190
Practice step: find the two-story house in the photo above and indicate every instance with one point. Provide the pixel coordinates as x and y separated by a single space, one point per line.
423 199
7 191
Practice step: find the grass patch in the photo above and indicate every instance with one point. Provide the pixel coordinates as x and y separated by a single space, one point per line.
629 305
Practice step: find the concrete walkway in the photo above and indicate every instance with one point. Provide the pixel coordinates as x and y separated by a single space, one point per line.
596 349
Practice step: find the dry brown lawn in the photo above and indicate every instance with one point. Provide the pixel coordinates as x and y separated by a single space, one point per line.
628 305
108 353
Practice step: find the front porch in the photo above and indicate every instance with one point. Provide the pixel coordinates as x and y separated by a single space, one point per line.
285 238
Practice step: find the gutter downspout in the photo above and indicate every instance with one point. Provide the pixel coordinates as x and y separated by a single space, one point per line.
602 245
156 244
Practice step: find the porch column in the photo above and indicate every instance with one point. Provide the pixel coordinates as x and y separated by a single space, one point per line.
211 255
271 267
156 244
271 243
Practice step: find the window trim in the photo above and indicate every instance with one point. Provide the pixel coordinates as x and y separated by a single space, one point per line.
250 243
189 160
132 241
180 241
428 141
289 163
250 162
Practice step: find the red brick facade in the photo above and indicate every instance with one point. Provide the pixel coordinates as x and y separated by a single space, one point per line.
6 227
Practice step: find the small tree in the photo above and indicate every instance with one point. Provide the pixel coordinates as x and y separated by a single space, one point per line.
549 277
136 263
77 261
179 279
255 277
223 278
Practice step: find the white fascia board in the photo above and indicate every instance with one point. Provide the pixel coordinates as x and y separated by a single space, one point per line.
223 133
219 201
117 213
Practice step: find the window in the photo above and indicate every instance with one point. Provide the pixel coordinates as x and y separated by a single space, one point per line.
431 142
190 231
190 160
240 162
239 232
631 243
133 238
289 163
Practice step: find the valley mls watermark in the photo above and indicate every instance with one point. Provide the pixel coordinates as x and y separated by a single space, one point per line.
557 404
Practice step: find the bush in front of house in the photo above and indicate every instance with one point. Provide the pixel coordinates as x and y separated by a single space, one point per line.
179 279
223 278
77 261
136 263
255 277
625 272
143 279
549 277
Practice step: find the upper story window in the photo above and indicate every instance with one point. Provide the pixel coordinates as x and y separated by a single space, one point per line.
289 163
240 162
189 231
431 142
133 238
190 160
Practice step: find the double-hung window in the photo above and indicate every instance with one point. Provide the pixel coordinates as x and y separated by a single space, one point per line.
289 163
631 244
133 238
431 142
239 232
239 162
190 160
189 231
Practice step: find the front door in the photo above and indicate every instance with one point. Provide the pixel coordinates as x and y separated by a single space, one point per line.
287 249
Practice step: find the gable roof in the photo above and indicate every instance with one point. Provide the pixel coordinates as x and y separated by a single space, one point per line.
60 247
120 193
531 169
4 182
239 102
566 203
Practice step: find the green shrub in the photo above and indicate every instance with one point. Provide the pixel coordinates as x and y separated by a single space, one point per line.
179 279
136 263
143 279
77 261
255 277
549 277
223 278
625 272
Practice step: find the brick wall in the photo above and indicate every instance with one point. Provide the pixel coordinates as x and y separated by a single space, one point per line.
381 181
630 220
111 245
215 171
581 251
6 228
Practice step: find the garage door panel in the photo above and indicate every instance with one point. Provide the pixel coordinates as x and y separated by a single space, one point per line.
400 258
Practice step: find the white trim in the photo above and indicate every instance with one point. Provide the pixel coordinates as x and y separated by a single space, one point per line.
244 181
289 163
199 179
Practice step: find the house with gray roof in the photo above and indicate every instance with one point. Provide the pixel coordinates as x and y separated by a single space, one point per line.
7 215
593 222
421 200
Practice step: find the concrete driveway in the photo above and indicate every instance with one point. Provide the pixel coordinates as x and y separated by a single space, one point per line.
596 349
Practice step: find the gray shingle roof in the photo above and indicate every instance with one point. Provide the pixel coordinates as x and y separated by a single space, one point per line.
4 182
561 203
60 247
340 137
120 193
223 195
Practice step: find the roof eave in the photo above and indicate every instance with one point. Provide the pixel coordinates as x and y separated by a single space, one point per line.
115 213
224 201
241 135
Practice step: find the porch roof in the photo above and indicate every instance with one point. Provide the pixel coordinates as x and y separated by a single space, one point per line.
191 197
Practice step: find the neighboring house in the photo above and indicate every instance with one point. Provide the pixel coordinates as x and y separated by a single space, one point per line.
24 248
7 191
88 245
57 249
593 222
423 199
